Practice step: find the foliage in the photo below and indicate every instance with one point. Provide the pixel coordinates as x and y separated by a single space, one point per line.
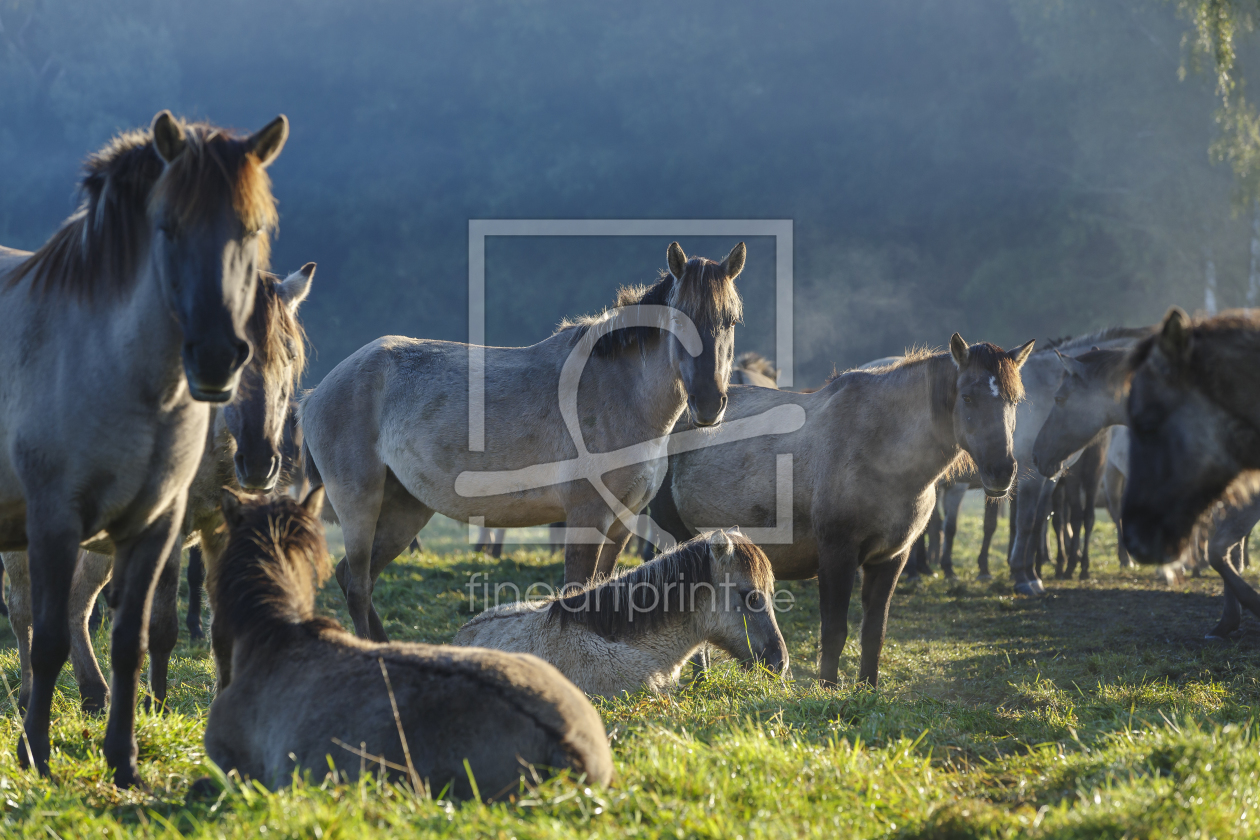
1097 713
1006 168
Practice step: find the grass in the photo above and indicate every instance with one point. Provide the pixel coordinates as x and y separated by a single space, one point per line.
1098 712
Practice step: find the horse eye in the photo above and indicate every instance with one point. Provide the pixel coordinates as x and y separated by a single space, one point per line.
967 400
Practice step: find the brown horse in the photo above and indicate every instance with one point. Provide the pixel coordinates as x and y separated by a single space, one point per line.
1194 412
121 328
864 471
305 694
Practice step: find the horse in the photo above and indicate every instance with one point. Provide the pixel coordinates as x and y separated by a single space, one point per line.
307 695
638 629
1042 376
865 465
1195 423
126 324
1089 410
255 417
386 430
754 369
951 494
1231 522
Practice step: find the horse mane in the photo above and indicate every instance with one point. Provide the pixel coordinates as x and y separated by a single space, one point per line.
991 358
274 563
276 333
618 608
705 295
1237 323
102 246
1067 344
1105 364
757 363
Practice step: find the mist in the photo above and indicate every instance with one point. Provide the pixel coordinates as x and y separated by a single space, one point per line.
1008 169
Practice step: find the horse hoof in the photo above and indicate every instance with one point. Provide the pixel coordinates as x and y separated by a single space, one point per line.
1026 589
128 777
93 701
984 576
1084 576
1039 588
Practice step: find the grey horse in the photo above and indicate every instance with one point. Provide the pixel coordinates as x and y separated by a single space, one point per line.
129 320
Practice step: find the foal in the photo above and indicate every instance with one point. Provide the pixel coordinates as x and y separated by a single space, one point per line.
638 629
476 720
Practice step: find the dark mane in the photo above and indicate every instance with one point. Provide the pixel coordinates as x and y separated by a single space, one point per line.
273 565
605 608
1069 345
102 246
277 335
706 295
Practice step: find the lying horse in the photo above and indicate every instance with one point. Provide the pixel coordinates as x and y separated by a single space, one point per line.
864 471
610 638
306 694
244 447
1194 413
387 431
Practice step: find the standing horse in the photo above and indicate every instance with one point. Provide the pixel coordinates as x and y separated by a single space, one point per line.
1042 376
307 695
754 369
252 422
864 472
1194 412
123 326
639 628
387 431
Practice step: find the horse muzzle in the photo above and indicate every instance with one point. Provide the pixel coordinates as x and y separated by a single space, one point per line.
710 414
213 372
257 475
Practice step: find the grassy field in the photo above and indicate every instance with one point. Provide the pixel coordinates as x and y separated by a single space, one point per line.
1097 712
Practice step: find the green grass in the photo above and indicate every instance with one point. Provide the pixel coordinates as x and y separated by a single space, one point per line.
1099 712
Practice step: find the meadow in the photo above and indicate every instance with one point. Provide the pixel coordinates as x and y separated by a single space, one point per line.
1097 712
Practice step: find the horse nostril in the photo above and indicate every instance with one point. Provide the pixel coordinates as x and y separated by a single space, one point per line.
242 353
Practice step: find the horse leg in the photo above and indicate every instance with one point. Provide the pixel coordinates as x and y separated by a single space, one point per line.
1230 531
163 628
1088 515
1024 524
618 537
496 549
1231 615
582 560
52 551
916 563
953 501
837 569
137 562
1011 524
401 518
878 582
1113 487
358 496
90 576
991 510
1058 519
933 537
196 580
18 567
4 608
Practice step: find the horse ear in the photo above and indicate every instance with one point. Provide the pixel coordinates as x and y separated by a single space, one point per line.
231 502
168 136
295 287
734 262
1021 353
1174 335
959 350
267 142
1073 366
721 544
314 501
677 260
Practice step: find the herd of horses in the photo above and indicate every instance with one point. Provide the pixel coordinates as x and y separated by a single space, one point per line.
147 406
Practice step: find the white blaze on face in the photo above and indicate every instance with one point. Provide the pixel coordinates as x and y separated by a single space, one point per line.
993 385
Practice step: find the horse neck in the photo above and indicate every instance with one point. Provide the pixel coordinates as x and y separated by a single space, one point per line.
258 605
139 329
922 395
651 388
1230 376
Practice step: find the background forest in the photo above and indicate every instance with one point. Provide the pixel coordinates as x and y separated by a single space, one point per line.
1006 168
